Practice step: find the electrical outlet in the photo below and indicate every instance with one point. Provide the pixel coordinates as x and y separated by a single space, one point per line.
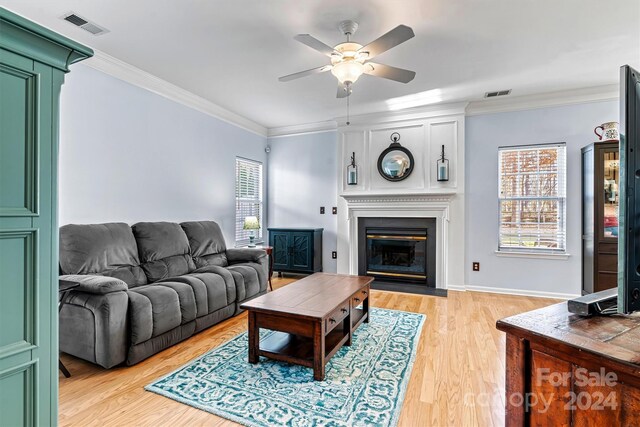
321 210
334 255
334 210
476 266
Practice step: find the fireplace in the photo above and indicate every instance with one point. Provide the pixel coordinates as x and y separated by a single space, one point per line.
397 254
398 250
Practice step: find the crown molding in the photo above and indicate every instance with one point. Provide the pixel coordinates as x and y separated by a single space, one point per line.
130 74
474 108
544 100
307 128
133 75
429 111
415 113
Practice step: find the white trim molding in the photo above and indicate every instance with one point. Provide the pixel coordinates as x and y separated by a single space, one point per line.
379 118
508 291
522 292
543 100
561 256
407 114
135 76
305 129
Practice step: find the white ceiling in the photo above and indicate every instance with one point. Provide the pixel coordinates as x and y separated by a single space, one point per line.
232 52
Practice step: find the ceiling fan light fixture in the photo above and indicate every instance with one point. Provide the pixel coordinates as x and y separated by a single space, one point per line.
350 60
347 71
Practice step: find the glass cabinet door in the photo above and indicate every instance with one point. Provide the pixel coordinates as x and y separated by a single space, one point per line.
611 175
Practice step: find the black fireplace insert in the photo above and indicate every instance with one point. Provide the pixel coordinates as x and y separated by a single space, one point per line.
397 253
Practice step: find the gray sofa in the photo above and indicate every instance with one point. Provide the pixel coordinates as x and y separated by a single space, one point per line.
144 288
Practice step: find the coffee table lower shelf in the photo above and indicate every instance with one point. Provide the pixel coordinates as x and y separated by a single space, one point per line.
297 349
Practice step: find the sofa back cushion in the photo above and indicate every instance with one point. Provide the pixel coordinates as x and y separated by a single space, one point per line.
164 250
101 249
207 243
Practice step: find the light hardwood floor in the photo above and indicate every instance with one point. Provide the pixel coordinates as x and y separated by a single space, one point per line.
457 379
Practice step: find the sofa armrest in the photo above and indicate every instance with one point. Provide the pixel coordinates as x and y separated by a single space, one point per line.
94 284
236 255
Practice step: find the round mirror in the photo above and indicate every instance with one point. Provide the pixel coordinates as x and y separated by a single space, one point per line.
395 163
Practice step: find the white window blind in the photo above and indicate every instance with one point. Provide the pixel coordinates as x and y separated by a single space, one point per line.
248 197
532 198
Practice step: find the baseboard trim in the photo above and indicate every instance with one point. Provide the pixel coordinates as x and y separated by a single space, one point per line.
521 292
509 291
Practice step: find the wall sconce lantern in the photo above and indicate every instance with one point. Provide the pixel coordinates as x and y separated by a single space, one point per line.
442 167
352 171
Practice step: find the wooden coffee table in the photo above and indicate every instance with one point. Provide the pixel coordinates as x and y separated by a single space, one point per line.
313 318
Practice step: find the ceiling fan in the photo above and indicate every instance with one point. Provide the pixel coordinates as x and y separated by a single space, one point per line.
349 60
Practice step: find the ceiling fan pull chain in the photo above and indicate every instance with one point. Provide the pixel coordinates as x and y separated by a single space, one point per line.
348 122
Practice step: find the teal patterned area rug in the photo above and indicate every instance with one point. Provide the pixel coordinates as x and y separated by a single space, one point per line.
364 386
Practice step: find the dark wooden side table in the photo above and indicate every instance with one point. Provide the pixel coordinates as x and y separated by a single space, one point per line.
63 293
269 251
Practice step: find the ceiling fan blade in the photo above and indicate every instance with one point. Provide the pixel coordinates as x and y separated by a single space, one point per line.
399 34
305 73
388 72
343 90
316 44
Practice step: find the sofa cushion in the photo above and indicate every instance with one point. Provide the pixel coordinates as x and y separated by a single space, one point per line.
213 289
207 243
101 249
164 249
247 280
153 310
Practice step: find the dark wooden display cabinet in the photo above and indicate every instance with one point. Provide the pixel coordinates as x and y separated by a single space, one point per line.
296 250
600 180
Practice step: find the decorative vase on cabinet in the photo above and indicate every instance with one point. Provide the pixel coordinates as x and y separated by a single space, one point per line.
33 61
296 250
600 180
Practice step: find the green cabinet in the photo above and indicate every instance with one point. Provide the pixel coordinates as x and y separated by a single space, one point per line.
33 61
296 250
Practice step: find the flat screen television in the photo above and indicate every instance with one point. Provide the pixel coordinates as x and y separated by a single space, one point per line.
629 211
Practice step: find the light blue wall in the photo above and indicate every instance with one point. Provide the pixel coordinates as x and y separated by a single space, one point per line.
484 134
127 154
303 177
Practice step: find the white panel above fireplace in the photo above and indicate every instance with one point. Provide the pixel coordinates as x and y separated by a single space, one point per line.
424 138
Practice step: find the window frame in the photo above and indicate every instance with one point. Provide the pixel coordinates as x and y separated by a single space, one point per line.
240 239
542 252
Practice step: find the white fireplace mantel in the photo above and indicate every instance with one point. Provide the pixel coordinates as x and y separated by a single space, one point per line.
401 206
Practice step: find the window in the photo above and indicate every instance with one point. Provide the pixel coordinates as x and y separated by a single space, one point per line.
532 198
248 197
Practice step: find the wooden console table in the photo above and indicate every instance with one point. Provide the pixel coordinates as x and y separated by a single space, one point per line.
313 318
564 369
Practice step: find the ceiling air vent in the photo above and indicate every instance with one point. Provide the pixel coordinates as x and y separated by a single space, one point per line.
85 24
497 93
